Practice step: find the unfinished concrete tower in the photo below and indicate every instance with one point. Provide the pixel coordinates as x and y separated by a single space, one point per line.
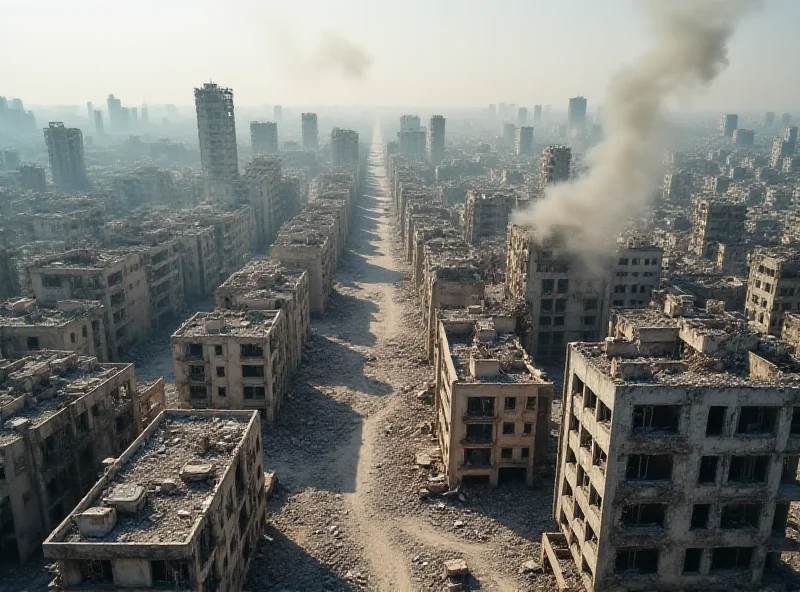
310 131
65 152
216 130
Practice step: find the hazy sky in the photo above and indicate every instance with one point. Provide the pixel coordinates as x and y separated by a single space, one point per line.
423 52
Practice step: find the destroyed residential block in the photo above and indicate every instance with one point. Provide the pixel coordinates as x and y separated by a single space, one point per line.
773 288
207 528
228 359
678 452
492 416
62 415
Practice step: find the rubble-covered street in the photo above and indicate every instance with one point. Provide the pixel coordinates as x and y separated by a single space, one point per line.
348 513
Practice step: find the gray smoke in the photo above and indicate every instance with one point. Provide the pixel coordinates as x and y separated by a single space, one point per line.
691 38
338 54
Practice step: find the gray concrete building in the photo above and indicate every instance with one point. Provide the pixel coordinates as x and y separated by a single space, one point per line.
554 166
310 131
264 137
344 147
65 153
216 131
436 139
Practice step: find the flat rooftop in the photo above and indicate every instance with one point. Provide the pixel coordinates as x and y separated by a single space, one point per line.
505 349
37 387
82 259
252 323
176 442
25 312
263 276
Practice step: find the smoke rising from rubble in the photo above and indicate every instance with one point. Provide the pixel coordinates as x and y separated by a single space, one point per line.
691 38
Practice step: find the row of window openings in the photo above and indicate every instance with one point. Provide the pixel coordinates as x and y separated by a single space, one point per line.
484 406
666 418
548 305
733 516
659 467
623 289
248 392
484 432
635 261
636 274
645 561
247 350
248 371
558 321
482 457
632 302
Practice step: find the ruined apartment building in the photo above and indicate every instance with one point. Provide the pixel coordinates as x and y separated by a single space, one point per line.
62 415
773 288
678 453
313 251
72 326
637 273
492 416
568 301
182 508
554 166
229 359
677 186
265 284
115 279
264 137
262 179
486 214
716 221
233 234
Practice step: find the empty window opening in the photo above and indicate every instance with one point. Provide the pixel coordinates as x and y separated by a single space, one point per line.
251 350
530 404
736 516
656 418
571 460
254 392
691 561
577 385
643 467
586 439
506 453
474 480
731 558
780 519
716 421
221 371
197 373
795 429
197 392
33 343
590 399
525 452
217 350
643 515
527 429
508 428
173 573
99 572
252 371
510 403
789 470
757 420
642 561
595 499
748 469
708 469
480 406
603 413
700 514
194 350
479 433
477 457
599 458
222 392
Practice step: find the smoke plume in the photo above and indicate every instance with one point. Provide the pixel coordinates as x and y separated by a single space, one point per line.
690 51
337 53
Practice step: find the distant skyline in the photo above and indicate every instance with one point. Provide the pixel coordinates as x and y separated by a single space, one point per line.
459 53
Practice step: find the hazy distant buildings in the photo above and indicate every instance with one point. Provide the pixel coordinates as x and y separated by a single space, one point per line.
134 118
744 137
786 118
310 131
14 119
31 176
277 112
65 152
216 130
783 147
677 186
509 134
522 116
117 117
576 114
537 115
90 112
554 165
145 117
409 123
264 137
524 142
728 124
769 118
98 122
344 147
436 134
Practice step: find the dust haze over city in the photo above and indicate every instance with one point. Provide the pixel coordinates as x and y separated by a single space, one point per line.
353 296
